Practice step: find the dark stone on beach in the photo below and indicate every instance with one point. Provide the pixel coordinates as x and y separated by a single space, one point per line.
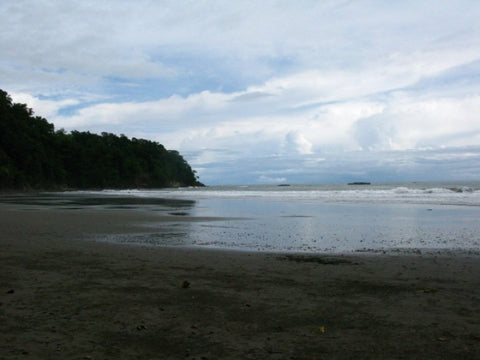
318 259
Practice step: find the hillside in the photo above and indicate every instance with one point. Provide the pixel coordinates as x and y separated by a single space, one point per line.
35 156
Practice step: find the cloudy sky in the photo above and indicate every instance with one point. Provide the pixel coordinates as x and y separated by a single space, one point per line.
260 91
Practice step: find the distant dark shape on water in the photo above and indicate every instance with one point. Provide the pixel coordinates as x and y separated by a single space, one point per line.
283 185
359 183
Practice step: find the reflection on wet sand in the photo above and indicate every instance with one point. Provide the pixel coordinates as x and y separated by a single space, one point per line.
275 226
74 201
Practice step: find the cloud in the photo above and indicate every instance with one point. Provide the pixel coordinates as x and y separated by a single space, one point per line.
296 142
249 40
256 91
43 107
270 180
276 125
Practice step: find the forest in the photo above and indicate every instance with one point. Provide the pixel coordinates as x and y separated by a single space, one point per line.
35 156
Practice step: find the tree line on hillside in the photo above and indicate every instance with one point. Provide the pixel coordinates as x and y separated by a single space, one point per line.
35 156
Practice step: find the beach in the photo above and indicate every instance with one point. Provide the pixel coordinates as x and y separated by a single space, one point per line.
65 296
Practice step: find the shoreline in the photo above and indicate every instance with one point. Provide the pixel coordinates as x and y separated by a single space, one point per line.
64 296
121 222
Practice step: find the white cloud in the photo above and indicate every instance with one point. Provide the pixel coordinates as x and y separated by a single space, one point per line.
410 123
296 142
275 124
44 108
270 180
144 39
272 83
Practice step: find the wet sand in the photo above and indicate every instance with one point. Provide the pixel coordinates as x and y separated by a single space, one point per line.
63 296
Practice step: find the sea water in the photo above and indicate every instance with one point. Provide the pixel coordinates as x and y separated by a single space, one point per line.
406 217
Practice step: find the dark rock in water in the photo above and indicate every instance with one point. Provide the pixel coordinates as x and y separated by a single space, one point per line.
283 185
179 213
359 183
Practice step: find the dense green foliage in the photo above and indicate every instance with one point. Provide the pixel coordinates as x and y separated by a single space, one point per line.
33 155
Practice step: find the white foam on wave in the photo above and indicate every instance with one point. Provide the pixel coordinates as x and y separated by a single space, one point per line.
398 195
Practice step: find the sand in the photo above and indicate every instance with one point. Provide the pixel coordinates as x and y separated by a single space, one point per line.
64 296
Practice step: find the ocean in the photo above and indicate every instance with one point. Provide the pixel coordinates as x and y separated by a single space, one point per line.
330 218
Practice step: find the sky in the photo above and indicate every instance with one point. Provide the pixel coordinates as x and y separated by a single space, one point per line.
260 92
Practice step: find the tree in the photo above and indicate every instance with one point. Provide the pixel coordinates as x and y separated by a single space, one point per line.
34 155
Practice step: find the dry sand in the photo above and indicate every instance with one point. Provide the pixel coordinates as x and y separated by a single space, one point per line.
65 297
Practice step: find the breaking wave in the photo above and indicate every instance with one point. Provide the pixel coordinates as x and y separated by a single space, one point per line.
441 195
